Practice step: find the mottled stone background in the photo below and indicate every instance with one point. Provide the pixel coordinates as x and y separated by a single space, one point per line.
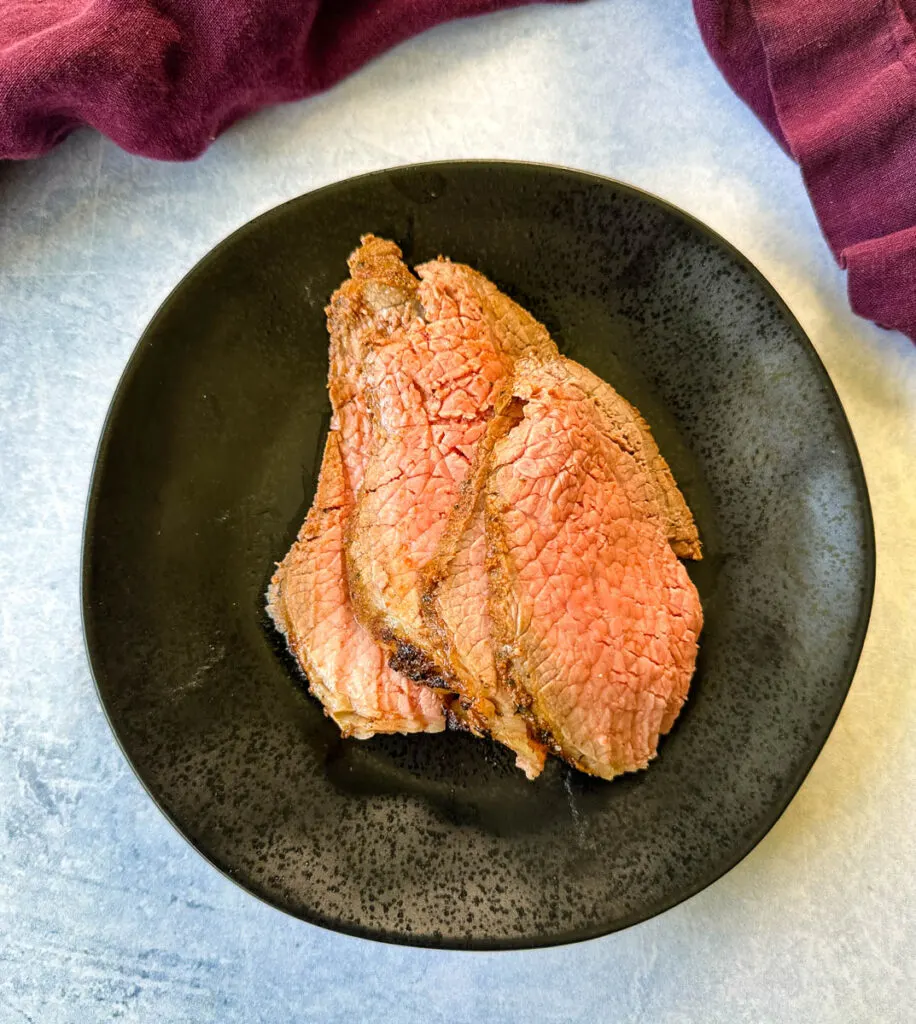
105 912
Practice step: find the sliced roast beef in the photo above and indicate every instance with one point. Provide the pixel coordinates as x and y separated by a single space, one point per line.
491 521
309 602
309 597
455 608
595 619
431 383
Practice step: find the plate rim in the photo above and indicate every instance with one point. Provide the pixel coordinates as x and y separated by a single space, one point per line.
430 941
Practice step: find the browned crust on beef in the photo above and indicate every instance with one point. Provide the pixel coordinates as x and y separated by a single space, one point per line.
481 714
635 436
337 702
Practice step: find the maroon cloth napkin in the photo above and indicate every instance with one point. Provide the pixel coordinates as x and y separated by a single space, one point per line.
835 82
163 78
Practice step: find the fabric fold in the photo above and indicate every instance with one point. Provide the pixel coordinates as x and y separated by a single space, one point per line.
162 78
833 80
841 82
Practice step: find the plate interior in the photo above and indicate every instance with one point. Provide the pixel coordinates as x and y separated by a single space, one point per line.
207 467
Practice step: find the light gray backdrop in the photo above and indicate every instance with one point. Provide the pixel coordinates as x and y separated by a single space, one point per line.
105 912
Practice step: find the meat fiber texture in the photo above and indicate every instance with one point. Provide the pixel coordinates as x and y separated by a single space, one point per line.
431 381
495 535
595 620
308 598
540 541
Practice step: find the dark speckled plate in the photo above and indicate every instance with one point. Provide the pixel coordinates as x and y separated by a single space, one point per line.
207 467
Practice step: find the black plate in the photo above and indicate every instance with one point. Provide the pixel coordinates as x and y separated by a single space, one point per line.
206 468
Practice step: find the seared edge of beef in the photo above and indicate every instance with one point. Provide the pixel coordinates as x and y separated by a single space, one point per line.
635 436
488 711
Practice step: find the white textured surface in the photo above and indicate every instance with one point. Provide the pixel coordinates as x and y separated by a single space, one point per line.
105 912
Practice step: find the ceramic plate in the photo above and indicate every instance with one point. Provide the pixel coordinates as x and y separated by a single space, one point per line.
206 469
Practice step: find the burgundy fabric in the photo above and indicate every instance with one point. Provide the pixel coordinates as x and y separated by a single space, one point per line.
835 81
163 78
